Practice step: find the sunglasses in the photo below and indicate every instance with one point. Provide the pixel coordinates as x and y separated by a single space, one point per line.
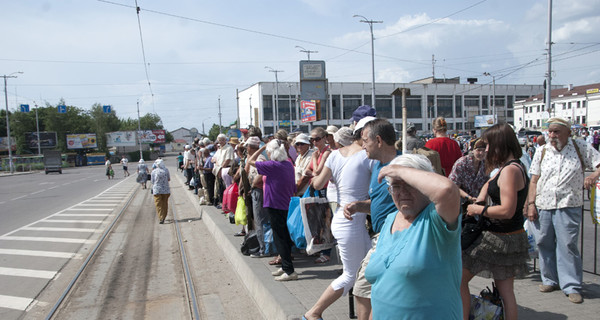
317 139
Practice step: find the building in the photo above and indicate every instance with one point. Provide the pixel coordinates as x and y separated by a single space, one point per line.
184 134
458 102
580 105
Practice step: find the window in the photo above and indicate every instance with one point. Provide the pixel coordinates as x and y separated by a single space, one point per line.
578 104
431 107
267 107
444 106
351 102
413 106
458 106
569 105
472 102
335 106
384 107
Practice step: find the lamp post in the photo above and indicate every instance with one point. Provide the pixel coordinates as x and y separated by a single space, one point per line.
276 117
370 22
290 104
493 94
308 52
250 104
203 131
10 161
139 129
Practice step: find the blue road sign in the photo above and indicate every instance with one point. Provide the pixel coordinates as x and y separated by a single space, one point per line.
24 108
106 109
62 109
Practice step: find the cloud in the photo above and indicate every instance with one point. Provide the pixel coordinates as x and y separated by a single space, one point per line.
394 74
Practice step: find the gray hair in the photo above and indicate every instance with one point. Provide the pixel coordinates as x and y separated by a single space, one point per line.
277 151
415 161
221 137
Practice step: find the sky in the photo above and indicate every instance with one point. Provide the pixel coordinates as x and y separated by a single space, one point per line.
182 56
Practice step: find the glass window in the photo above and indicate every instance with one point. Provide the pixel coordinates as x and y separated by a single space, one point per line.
472 102
267 107
458 106
384 107
335 106
284 109
569 105
268 130
444 106
351 102
431 107
413 106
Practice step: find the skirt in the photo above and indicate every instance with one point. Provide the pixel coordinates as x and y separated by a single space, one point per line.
498 255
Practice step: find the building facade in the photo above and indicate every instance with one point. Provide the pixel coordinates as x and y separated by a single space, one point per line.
580 105
270 108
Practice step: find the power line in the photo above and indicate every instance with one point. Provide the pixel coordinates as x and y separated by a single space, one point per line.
137 9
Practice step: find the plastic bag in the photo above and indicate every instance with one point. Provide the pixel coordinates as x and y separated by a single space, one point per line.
268 239
241 213
487 306
316 218
531 247
294 223
595 203
230 196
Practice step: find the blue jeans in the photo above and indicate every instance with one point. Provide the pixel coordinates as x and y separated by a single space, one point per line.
556 235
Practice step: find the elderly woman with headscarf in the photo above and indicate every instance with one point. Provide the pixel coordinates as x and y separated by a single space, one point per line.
160 189
142 173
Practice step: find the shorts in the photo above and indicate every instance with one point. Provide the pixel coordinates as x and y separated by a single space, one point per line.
362 287
124 168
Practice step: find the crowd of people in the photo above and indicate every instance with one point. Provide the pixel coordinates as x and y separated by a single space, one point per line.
397 223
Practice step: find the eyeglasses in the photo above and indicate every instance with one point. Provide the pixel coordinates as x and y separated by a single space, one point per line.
317 139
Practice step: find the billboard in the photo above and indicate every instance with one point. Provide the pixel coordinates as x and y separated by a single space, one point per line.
4 144
308 110
82 141
47 140
152 136
120 139
484 121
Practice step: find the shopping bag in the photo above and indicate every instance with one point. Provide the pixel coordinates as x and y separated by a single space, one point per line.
192 182
268 239
316 218
531 247
487 306
230 196
294 223
241 213
595 203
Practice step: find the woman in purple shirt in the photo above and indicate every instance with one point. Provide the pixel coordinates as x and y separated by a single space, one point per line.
279 187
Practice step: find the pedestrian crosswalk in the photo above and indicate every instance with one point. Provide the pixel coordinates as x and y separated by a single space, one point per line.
35 253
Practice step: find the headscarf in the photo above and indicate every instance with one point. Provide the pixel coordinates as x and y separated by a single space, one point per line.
141 161
160 163
343 136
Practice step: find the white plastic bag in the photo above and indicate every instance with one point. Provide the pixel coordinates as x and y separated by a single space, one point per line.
532 247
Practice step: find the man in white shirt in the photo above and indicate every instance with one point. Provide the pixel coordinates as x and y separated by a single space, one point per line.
222 159
555 202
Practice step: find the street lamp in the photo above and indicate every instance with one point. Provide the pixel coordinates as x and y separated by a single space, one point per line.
290 102
308 52
493 94
10 161
276 117
370 22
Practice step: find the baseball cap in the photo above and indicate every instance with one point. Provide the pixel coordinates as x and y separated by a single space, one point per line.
363 111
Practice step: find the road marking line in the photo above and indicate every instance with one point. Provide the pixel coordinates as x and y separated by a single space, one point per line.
37 253
17 198
17 303
61 229
40 191
29 273
88 209
96 205
73 221
85 214
2 202
47 239
52 187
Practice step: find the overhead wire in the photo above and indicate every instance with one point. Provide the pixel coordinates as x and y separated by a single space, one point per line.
137 10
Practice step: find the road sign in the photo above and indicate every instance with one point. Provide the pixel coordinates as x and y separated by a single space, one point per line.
106 109
24 108
62 109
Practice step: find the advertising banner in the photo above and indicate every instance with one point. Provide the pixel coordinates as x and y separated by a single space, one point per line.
4 144
120 139
484 121
47 139
308 110
82 141
152 136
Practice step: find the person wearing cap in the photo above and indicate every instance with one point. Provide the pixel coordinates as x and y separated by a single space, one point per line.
468 172
222 158
361 112
302 145
448 149
161 191
554 205
331 130
412 142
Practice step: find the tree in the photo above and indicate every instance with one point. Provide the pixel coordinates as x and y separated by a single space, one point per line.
104 123
214 132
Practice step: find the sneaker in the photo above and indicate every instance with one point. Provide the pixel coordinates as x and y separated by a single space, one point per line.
278 272
258 255
287 277
575 298
548 288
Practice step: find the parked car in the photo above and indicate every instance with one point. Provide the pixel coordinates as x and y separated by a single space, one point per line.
523 135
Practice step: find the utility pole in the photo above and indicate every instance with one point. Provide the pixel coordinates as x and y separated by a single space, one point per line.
10 159
276 115
220 125
237 100
549 72
37 126
308 52
370 22
139 129
250 104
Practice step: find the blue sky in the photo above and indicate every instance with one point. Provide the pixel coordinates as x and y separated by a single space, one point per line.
88 51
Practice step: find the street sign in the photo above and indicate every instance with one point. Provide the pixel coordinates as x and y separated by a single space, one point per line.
62 109
284 123
24 108
106 109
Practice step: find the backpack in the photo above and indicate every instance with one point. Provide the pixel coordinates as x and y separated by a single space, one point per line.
434 158
250 244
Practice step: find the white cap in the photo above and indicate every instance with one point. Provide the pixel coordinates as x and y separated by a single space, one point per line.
362 123
301 138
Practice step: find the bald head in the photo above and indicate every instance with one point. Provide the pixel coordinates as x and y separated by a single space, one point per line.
541 140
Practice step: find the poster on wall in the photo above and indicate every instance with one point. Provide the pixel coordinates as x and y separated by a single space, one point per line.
308 110
46 139
152 136
120 139
82 141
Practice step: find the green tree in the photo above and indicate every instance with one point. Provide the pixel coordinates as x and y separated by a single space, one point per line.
104 123
214 132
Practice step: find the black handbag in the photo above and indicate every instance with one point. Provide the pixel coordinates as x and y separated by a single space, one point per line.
472 227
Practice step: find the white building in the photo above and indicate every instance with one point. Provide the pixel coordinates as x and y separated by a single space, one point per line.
458 102
580 105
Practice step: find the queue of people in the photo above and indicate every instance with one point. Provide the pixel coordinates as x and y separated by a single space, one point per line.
396 222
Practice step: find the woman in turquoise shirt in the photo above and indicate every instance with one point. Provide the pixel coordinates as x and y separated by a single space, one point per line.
416 268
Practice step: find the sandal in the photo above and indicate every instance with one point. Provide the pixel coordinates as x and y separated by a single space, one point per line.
322 259
275 261
239 234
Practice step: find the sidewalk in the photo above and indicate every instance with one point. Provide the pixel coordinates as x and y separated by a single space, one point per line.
289 300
